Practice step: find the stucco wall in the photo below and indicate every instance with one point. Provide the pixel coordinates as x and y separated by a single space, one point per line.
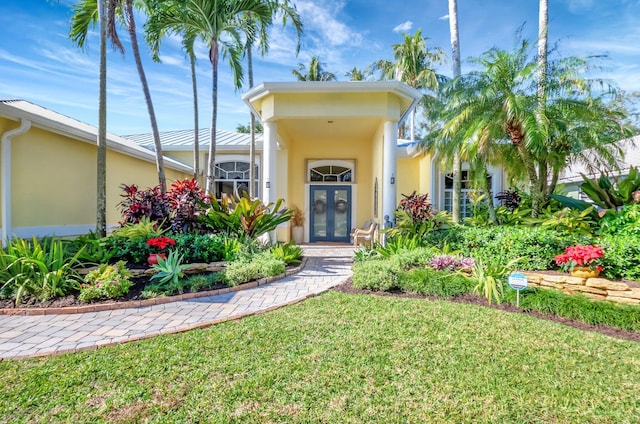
54 182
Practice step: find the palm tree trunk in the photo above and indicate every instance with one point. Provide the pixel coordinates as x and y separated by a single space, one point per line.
489 194
543 30
147 96
101 166
196 125
211 166
252 129
455 65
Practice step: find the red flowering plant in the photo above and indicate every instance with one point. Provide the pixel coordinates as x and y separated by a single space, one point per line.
160 243
579 255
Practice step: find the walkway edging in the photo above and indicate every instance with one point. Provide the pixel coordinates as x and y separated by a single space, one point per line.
67 310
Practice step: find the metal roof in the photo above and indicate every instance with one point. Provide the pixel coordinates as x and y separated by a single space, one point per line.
183 140
55 122
631 149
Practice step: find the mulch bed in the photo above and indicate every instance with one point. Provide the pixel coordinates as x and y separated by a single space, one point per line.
472 299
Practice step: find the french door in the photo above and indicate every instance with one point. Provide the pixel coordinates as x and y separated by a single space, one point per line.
330 207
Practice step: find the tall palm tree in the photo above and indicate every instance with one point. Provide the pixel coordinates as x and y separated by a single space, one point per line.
84 17
413 65
101 215
154 36
315 71
499 103
287 11
220 25
455 67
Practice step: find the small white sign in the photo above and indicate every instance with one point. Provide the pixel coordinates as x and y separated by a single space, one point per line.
518 281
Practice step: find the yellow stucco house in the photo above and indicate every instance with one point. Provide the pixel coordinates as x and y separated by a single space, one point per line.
48 172
329 148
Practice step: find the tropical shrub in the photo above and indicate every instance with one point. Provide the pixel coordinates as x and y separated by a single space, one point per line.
92 249
568 220
410 258
289 253
535 247
106 282
39 269
450 262
149 203
625 221
611 194
585 256
134 250
416 216
431 282
185 200
378 274
243 216
510 199
170 270
622 258
490 278
144 229
247 269
200 247
398 242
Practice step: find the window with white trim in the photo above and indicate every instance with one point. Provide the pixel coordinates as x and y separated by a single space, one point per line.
336 171
466 206
232 177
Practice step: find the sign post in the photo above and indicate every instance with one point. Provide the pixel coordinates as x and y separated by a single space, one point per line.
518 282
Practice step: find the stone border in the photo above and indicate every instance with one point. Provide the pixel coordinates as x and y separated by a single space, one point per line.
593 288
150 302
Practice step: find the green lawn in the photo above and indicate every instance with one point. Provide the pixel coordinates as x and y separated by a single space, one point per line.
341 358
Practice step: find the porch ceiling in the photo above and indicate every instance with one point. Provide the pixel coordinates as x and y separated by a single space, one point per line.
316 130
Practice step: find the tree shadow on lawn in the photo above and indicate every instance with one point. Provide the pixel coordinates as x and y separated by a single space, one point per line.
347 287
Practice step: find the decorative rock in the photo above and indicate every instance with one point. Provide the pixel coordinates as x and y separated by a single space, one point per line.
195 268
603 283
546 283
630 294
626 300
595 296
532 277
567 279
585 289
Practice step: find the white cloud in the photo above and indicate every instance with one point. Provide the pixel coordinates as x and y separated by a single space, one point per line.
320 19
444 18
403 27
579 6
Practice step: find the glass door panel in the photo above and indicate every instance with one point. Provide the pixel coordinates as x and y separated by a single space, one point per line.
330 213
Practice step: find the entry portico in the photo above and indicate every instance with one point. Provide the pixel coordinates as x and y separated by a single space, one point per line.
330 149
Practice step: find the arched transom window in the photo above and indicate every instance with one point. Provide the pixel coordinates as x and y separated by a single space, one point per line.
330 171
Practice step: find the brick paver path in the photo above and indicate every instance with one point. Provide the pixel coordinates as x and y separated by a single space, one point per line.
22 336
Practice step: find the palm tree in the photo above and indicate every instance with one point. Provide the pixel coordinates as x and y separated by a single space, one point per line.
315 72
499 103
154 36
413 65
220 25
356 74
287 11
85 15
101 216
455 67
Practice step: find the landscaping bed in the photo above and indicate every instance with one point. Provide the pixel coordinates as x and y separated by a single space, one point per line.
470 298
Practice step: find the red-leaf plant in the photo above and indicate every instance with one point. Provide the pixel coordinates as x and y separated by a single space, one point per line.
580 255
160 243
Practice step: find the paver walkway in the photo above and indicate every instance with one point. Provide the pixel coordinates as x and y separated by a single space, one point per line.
22 336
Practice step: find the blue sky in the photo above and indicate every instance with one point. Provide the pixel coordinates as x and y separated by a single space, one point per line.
38 63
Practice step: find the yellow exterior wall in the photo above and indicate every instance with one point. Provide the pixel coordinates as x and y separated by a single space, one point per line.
408 177
339 149
54 179
330 104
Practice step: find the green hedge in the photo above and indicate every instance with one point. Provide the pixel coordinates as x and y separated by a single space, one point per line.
251 268
621 256
534 245
430 282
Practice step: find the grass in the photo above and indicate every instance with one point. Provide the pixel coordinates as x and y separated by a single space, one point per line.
340 358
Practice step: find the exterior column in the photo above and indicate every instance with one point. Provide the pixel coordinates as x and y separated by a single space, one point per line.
269 151
389 174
